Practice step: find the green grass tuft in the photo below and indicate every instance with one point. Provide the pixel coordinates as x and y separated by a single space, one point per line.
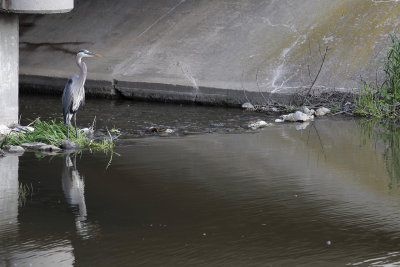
391 90
368 103
54 132
383 102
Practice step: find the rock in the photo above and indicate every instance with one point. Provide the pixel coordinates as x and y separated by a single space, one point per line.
348 107
14 149
166 132
49 148
279 120
248 106
2 153
4 130
258 124
322 111
152 129
308 111
33 146
169 131
297 116
69 145
87 131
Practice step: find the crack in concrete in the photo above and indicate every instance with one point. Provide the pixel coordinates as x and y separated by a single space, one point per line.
161 18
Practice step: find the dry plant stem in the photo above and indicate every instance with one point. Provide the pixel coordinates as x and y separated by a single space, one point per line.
244 91
259 89
323 57
93 124
308 65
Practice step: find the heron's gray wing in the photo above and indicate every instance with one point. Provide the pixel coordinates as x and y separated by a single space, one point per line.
67 98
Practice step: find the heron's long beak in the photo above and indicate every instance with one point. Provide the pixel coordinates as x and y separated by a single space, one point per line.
94 54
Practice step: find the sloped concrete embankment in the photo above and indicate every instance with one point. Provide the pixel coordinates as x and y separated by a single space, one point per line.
225 52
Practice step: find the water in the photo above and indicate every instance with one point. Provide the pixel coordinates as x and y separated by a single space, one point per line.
134 118
276 197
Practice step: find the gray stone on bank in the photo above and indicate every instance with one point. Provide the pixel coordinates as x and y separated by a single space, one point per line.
254 125
87 131
69 145
322 111
33 145
14 149
2 154
248 106
297 116
308 111
165 131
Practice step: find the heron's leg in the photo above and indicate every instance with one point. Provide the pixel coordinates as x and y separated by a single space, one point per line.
76 129
68 130
75 161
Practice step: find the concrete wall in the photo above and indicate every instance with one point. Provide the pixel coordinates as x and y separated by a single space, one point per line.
8 69
207 50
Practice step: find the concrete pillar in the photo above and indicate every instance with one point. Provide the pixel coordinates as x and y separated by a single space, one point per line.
9 45
9 68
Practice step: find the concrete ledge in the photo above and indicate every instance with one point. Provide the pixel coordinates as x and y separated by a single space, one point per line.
204 95
175 93
33 84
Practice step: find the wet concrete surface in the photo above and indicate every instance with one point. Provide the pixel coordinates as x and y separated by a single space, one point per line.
281 196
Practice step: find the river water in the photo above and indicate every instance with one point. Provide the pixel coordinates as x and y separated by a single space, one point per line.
213 194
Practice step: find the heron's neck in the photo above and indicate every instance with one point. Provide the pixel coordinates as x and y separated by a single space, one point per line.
83 68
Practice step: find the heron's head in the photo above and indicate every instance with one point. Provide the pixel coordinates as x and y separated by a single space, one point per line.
85 53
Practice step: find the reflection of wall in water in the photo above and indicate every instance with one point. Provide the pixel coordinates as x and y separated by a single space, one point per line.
8 204
12 252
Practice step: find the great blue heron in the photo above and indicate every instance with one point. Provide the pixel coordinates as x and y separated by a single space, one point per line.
74 91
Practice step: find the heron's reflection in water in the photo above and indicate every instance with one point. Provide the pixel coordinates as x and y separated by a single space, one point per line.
74 189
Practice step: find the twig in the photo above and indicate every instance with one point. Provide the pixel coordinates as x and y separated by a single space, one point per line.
340 112
320 68
308 65
93 123
259 89
244 91
32 122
